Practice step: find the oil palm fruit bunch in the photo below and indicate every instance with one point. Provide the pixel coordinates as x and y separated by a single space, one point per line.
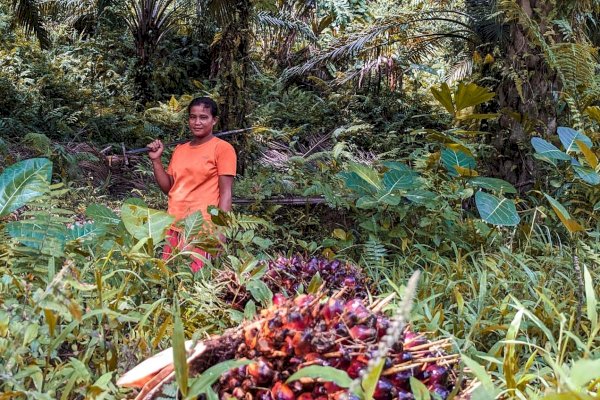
309 330
288 275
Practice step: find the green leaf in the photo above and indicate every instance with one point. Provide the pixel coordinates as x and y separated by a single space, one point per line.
250 310
355 183
260 291
84 232
452 158
548 150
470 95
142 222
366 173
564 216
179 353
23 182
102 214
418 389
493 184
367 202
369 382
192 224
424 197
583 371
444 96
395 179
328 374
568 137
496 211
315 283
41 233
201 384
479 372
587 174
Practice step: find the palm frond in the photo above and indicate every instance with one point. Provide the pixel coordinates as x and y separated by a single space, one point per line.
28 14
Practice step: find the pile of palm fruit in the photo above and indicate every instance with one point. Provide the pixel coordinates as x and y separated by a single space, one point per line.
317 330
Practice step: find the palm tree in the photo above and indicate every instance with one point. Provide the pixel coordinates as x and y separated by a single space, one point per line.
29 15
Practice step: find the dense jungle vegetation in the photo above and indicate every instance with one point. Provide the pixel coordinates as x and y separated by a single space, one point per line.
456 137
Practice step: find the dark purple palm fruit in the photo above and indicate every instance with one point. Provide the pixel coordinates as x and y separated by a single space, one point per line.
385 390
441 391
332 310
405 395
401 379
436 374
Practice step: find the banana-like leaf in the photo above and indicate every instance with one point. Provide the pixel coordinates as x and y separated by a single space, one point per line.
470 95
452 158
23 182
366 173
355 183
395 179
143 222
493 184
547 149
568 137
495 210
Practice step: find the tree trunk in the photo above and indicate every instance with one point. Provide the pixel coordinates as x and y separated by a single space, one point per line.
230 64
525 97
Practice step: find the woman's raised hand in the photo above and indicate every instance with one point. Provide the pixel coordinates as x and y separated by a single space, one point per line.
156 149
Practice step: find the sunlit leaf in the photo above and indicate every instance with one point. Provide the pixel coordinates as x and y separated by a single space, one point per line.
419 390
179 352
142 222
444 96
22 182
366 173
471 94
201 384
495 210
590 156
369 381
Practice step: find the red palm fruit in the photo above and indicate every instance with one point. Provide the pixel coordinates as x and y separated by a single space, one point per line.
238 393
381 325
250 337
279 299
261 371
350 281
295 321
303 300
264 346
384 390
439 390
331 387
301 342
401 379
362 333
305 396
309 357
281 391
263 395
412 339
355 311
354 368
332 310
437 374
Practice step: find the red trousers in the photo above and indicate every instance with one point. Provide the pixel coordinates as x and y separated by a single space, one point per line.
175 241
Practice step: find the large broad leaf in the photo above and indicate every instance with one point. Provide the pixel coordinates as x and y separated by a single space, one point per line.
192 224
143 222
355 183
444 96
395 179
23 182
452 158
471 95
102 214
564 216
495 210
493 184
587 174
424 197
366 173
548 150
41 234
84 232
568 137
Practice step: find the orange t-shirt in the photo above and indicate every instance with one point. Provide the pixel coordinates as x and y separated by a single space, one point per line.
195 171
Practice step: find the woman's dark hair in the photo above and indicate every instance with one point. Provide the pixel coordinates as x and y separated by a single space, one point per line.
206 102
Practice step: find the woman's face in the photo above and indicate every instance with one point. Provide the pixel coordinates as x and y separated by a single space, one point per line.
201 121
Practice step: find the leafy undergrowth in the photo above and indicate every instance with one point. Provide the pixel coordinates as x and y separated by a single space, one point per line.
85 295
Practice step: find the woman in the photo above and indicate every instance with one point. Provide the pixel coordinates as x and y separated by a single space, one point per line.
200 173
